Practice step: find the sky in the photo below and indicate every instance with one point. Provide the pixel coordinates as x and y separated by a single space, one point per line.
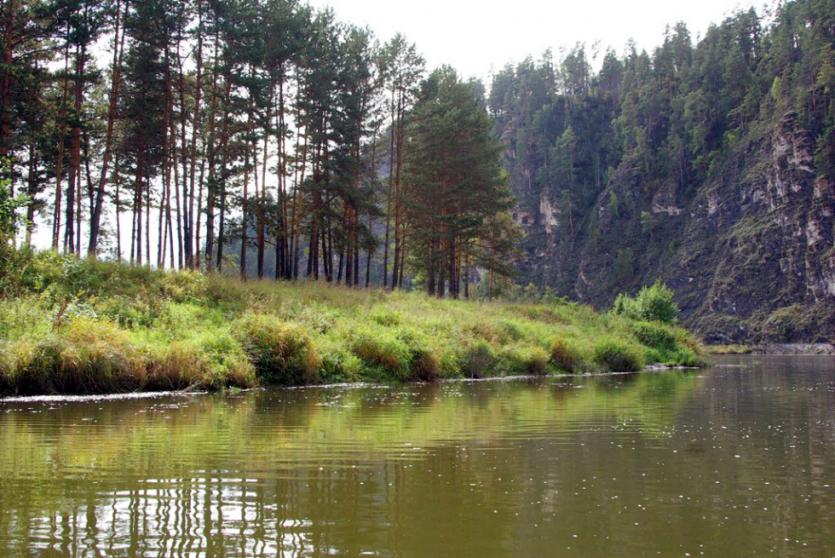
478 37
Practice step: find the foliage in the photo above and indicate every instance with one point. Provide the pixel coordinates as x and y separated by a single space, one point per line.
9 206
653 303
281 353
456 189
617 356
565 355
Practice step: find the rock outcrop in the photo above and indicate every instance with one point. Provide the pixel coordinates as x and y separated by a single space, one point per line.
750 252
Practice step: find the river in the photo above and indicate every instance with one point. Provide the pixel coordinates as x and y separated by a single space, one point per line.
734 460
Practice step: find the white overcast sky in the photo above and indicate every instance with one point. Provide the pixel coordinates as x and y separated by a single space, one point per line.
477 37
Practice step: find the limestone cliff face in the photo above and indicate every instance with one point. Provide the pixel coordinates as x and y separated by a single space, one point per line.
750 251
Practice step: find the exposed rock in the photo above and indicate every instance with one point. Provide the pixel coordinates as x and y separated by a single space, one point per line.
750 252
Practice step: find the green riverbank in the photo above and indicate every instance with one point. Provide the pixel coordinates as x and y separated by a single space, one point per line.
72 326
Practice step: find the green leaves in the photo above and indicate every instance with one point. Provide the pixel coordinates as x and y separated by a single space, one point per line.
9 218
654 303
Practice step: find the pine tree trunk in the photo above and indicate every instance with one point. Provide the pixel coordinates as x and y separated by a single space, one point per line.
5 83
195 129
140 162
183 219
389 192
281 248
118 204
398 196
95 217
59 164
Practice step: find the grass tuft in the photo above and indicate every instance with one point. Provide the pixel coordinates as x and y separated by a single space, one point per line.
565 355
617 356
281 353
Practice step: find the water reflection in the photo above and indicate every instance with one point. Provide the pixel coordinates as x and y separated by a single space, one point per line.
729 461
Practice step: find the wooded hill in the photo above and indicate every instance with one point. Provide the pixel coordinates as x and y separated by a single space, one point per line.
709 164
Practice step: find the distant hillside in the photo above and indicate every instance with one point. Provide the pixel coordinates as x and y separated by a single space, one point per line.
710 166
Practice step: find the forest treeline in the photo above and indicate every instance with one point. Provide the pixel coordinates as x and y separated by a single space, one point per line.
607 151
190 133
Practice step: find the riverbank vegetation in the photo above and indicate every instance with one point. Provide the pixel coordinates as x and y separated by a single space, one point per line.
72 325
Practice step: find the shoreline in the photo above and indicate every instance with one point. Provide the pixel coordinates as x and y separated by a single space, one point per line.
104 397
774 349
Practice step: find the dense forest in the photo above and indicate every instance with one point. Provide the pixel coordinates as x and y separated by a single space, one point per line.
260 134
707 163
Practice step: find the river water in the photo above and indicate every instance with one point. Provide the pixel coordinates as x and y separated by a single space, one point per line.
734 460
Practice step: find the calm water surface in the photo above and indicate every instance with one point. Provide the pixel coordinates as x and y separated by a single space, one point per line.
735 460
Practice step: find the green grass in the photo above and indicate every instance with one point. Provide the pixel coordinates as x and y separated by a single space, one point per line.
78 326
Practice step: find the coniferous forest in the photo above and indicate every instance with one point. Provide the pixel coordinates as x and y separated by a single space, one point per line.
259 134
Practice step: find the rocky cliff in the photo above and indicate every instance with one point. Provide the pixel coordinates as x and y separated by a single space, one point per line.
751 255
710 166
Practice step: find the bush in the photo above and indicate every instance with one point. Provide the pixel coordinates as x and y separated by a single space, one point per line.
509 330
525 359
479 358
281 353
425 366
536 361
183 286
617 357
383 351
654 303
565 355
339 364
655 335
786 324
384 316
85 356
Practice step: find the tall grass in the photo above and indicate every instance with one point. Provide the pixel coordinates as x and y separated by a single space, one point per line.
78 326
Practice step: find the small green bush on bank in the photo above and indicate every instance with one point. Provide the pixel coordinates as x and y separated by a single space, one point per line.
653 303
82 326
565 355
281 353
617 356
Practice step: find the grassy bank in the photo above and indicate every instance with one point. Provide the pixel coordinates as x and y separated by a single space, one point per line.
70 326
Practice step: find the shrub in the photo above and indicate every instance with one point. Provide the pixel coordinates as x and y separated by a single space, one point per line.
617 357
281 353
382 351
425 365
385 317
655 335
15 356
226 363
176 366
565 355
183 286
525 359
339 364
478 360
84 356
654 303
686 357
484 330
536 361
510 330
786 324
